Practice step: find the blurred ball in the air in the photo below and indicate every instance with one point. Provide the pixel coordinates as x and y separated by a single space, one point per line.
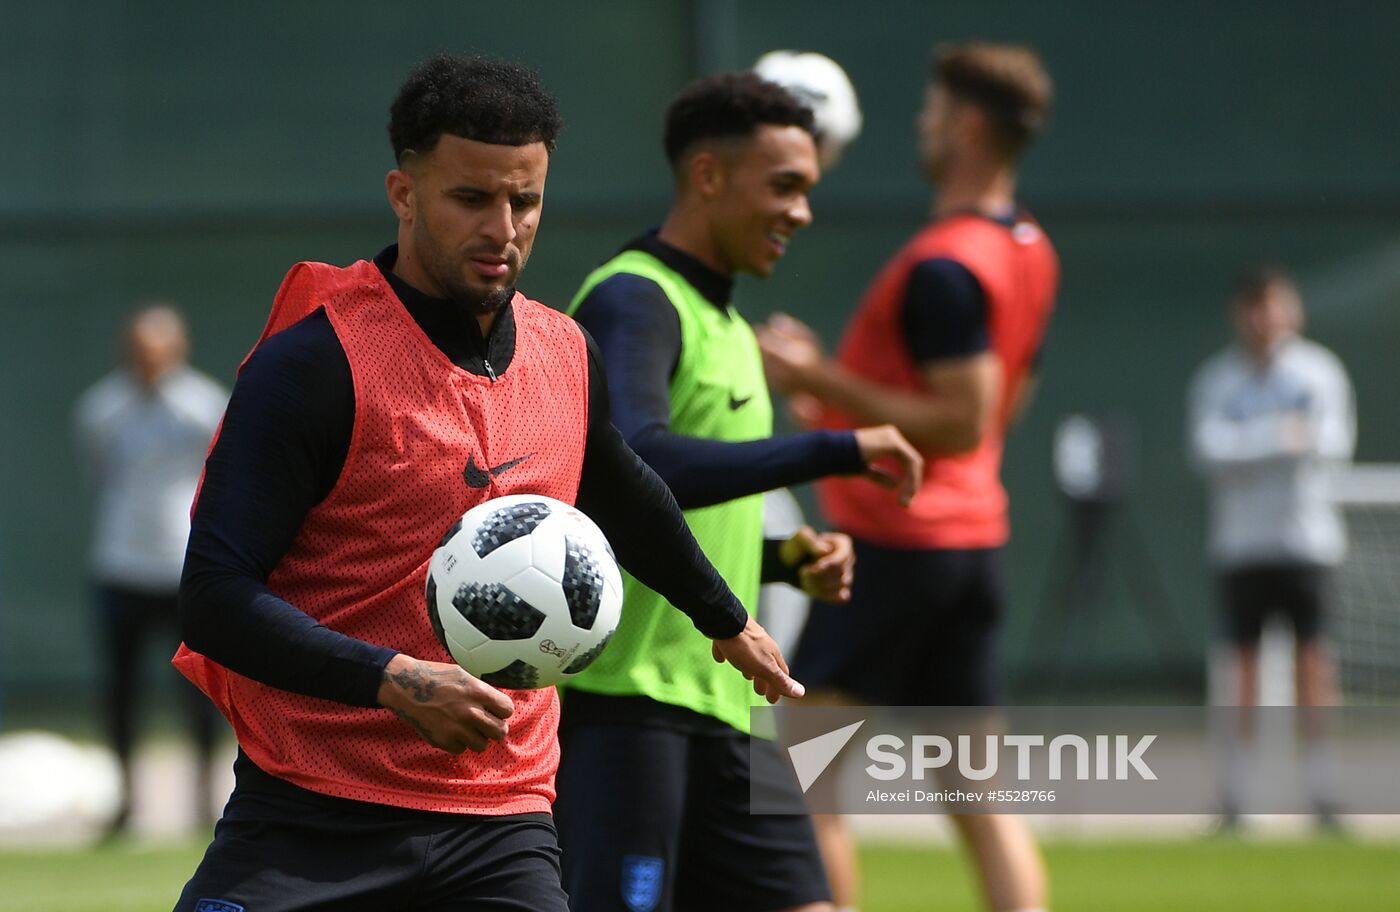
820 82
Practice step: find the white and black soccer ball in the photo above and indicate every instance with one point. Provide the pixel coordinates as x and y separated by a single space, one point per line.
524 591
818 81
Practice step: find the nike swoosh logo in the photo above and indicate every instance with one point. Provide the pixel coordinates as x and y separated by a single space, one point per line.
736 404
477 477
496 470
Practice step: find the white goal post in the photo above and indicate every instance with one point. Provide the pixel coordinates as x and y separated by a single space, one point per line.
1365 626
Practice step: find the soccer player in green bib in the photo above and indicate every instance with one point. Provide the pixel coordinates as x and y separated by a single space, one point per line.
653 806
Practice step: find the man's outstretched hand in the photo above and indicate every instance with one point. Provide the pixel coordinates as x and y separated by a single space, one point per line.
796 364
755 654
884 443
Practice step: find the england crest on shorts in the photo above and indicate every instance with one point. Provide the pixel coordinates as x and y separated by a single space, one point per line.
216 905
641 882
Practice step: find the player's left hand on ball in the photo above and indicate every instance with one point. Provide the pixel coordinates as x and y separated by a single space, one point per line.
755 654
445 705
825 562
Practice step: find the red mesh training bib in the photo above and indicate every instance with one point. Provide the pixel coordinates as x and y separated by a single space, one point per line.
358 564
961 503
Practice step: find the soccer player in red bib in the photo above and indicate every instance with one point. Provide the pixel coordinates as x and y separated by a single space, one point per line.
943 346
373 773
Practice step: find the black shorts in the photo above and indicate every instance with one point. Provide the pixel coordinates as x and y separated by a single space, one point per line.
656 819
921 629
279 851
1256 592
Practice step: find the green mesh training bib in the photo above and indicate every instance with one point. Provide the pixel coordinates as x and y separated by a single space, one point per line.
718 392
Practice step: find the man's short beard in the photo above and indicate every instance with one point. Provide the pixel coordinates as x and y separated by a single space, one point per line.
443 269
480 301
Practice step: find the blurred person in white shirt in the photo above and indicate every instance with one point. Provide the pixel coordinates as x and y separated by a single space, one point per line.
141 436
1272 418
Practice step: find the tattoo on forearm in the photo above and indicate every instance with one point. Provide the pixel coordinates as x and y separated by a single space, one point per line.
418 727
418 680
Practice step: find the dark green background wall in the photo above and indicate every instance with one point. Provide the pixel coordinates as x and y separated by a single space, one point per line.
196 150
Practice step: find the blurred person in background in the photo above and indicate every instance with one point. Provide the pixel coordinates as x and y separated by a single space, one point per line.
1272 417
141 435
944 346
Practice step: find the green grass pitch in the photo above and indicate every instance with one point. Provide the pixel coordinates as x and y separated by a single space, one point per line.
1223 874
1086 877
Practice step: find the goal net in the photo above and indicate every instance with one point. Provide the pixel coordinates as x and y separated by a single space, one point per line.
1366 623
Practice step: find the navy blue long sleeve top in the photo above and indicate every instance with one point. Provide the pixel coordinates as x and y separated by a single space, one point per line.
282 446
639 334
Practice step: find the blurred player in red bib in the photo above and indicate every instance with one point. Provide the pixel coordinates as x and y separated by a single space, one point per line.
944 346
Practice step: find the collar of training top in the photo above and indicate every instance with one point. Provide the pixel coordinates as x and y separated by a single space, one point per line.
715 287
441 321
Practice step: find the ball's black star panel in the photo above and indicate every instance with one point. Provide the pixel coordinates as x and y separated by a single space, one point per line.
584 659
431 596
516 676
506 525
456 527
583 582
496 611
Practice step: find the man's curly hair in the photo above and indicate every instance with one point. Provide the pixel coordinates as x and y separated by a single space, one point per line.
491 101
729 105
